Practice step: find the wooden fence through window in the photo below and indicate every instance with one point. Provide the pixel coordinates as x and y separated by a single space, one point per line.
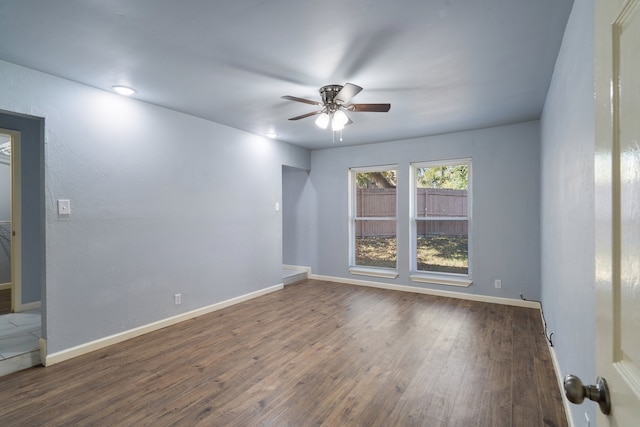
440 203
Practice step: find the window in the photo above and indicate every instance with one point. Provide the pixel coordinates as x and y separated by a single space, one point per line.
373 223
441 222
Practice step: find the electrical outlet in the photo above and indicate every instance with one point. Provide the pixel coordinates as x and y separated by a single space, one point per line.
498 284
177 299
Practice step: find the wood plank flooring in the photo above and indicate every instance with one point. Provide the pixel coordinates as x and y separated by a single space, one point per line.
315 353
5 301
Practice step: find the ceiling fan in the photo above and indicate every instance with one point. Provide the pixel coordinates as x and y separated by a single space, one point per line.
335 104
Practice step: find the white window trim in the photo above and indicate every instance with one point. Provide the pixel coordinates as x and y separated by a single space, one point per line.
432 277
362 269
441 279
386 273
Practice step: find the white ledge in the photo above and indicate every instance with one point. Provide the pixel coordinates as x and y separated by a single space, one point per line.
374 272
438 279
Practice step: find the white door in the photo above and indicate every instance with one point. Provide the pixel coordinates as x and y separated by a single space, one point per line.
617 180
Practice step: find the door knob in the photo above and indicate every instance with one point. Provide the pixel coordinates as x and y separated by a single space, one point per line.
576 392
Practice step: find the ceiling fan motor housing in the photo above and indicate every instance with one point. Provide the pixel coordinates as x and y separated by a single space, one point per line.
328 93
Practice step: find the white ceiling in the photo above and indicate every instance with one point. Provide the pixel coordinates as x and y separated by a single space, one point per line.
444 65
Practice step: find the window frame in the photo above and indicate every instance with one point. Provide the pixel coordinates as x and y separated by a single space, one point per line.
385 272
433 277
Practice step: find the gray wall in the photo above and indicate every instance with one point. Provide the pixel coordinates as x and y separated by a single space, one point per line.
161 203
506 188
297 203
32 212
568 239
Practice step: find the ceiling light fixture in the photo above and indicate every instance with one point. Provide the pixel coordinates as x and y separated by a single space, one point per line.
123 90
323 121
339 120
336 102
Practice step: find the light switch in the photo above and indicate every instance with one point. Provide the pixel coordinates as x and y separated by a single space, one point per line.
64 207
277 206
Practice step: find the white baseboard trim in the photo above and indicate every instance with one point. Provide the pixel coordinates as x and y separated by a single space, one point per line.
51 359
437 292
559 376
297 268
4 286
28 306
42 343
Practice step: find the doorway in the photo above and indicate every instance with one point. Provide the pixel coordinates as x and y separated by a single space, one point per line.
20 325
10 260
295 224
22 328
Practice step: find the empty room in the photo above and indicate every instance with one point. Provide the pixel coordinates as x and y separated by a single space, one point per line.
296 213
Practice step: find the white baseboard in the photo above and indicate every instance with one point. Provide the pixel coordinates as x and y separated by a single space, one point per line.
42 343
50 359
559 376
4 286
28 306
437 292
297 268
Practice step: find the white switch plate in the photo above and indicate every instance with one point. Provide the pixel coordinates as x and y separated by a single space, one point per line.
64 207
277 206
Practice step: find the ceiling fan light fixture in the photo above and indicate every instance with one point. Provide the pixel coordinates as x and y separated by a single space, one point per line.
339 120
336 101
336 127
323 121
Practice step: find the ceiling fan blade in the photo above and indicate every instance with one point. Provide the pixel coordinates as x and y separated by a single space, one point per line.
306 101
306 115
380 108
347 92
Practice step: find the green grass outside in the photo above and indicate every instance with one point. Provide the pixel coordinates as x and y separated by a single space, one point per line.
446 254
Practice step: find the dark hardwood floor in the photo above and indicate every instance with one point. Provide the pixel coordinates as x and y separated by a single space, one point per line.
5 301
316 353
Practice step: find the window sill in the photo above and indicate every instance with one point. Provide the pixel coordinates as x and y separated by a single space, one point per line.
374 272
441 279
